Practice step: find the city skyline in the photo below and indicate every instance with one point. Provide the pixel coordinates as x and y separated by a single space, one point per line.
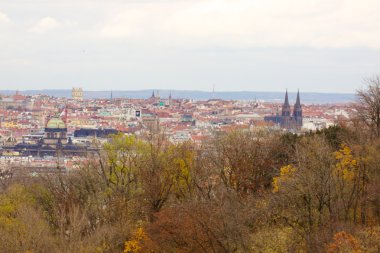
308 97
189 126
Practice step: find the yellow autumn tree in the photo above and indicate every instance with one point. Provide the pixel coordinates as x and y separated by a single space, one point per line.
180 164
286 173
346 166
134 245
347 182
22 226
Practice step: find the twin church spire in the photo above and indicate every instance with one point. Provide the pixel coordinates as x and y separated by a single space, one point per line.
289 120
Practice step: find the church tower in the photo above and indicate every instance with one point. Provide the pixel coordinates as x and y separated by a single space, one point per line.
170 99
285 114
297 112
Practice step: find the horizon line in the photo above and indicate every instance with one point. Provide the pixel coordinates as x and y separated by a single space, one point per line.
177 90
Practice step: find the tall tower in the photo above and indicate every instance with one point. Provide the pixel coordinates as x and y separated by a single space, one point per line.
170 99
285 113
77 93
297 112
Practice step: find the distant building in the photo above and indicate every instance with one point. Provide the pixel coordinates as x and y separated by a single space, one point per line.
99 133
155 99
170 99
53 143
287 119
77 93
55 133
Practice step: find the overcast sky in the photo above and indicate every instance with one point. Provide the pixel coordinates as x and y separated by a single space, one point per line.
255 45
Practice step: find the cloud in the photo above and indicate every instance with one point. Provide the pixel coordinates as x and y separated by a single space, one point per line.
45 25
246 23
4 18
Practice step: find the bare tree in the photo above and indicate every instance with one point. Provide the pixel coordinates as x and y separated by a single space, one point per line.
368 106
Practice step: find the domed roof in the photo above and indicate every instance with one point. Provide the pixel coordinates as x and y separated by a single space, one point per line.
56 123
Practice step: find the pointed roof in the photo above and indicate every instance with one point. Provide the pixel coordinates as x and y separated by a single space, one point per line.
298 101
286 98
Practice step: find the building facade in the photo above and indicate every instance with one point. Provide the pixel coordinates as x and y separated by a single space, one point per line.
77 93
289 120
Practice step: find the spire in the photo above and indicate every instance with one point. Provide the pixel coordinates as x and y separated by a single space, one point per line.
297 112
298 101
286 98
153 94
286 107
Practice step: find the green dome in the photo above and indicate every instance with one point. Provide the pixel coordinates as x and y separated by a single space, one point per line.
56 123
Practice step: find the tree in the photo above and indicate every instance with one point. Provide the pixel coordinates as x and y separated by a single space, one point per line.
303 192
133 245
244 160
344 242
22 225
368 106
216 225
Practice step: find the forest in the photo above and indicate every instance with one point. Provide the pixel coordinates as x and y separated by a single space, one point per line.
241 191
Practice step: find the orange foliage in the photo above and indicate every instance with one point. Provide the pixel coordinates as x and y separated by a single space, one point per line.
344 242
